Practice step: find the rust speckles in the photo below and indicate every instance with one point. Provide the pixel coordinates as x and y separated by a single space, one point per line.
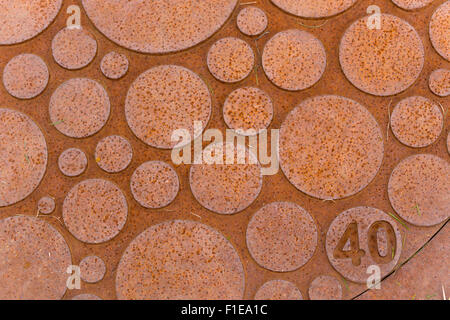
158 26
226 188
73 48
439 26
294 60
113 154
23 157
164 99
252 21
325 288
23 20
412 4
248 108
417 121
439 82
25 76
92 269
154 184
230 60
72 162
282 236
33 260
419 189
314 9
361 237
180 260
114 65
381 62
278 290
95 211
330 147
79 108
46 205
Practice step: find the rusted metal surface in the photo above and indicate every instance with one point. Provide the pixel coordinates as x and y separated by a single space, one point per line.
274 188
278 290
440 82
325 288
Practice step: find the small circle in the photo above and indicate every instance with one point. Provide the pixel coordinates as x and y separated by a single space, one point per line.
79 108
282 236
73 48
113 154
361 237
46 205
23 20
72 162
23 156
381 62
86 296
92 269
412 4
252 21
294 60
439 82
164 99
417 121
159 27
114 65
33 260
230 60
226 187
325 288
419 189
439 26
278 290
331 147
156 262
316 9
95 210
25 76
154 184
248 110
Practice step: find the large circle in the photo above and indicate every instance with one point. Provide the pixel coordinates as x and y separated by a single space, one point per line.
73 48
180 260
314 9
419 189
294 60
278 290
381 62
158 26
154 184
439 26
95 211
230 59
248 110
23 156
164 99
282 236
331 147
361 237
22 20
34 258
412 4
226 187
25 76
79 108
417 121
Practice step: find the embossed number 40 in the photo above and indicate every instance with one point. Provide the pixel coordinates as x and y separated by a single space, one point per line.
354 252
